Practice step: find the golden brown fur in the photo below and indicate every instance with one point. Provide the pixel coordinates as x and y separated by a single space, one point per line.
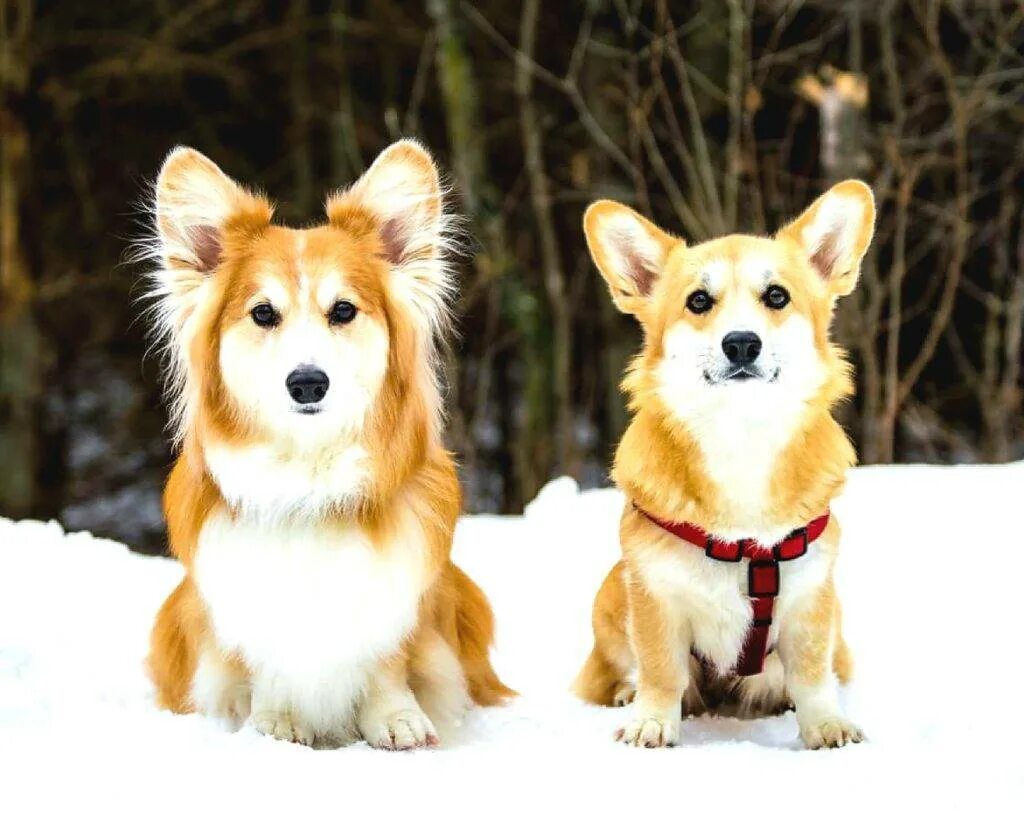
455 606
655 605
212 274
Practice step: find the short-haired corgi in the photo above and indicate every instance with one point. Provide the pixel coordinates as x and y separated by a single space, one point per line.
312 503
724 598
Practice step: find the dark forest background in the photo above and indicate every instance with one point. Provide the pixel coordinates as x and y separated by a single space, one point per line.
708 116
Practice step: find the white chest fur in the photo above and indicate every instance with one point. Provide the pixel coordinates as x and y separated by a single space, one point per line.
273 484
710 597
741 443
308 607
742 428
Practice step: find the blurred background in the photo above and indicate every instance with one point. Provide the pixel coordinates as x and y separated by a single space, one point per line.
708 116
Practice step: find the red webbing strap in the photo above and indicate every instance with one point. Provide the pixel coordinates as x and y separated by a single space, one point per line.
755 645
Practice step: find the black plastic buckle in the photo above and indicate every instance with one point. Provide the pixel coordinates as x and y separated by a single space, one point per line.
777 550
709 551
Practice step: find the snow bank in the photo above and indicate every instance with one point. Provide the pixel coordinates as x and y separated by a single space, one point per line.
931 575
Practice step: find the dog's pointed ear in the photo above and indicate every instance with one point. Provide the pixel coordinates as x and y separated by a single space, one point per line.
195 201
199 213
835 232
402 192
629 250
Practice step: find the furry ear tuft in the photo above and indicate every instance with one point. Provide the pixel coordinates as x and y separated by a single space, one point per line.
197 211
834 233
205 242
195 201
629 250
402 192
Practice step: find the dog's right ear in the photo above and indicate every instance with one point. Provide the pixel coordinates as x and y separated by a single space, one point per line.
629 250
196 203
199 213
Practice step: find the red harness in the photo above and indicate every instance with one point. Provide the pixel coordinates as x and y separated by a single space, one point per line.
762 576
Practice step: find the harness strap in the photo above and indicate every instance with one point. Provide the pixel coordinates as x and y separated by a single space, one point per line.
763 576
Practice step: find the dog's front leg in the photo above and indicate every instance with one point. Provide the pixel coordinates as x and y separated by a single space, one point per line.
663 672
274 712
222 687
389 716
806 644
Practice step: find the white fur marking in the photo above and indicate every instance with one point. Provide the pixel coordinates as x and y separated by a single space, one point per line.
741 427
311 609
273 486
217 692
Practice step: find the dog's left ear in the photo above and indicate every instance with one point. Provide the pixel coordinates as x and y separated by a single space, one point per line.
402 191
834 234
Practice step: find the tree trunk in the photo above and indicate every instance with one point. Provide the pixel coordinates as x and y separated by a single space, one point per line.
618 339
494 264
20 344
302 108
550 253
346 161
841 100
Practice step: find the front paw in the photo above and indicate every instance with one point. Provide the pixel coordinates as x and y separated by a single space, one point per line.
402 730
831 731
650 731
624 694
235 704
284 726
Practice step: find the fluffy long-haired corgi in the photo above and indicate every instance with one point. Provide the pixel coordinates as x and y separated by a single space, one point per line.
724 598
313 503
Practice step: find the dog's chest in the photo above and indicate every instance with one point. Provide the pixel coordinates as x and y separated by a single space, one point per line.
710 598
305 602
741 444
259 479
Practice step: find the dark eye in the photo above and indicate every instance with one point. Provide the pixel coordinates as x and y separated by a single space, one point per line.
700 302
776 297
265 316
342 312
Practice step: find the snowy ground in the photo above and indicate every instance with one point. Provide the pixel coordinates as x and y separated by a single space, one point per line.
932 573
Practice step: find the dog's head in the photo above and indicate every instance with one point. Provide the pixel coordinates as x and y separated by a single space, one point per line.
301 336
740 318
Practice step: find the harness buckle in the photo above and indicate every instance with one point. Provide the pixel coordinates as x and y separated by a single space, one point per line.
712 550
779 552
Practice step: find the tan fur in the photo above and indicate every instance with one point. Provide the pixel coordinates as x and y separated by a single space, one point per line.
473 634
604 673
180 626
410 477
842 657
662 467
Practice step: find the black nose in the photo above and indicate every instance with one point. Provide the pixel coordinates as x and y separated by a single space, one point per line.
742 347
306 385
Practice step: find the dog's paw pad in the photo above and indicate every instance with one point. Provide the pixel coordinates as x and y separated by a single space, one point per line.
402 730
649 732
831 732
283 726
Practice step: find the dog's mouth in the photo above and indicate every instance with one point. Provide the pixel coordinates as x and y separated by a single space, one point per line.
307 410
743 373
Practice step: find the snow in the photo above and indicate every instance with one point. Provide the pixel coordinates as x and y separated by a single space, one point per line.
931 576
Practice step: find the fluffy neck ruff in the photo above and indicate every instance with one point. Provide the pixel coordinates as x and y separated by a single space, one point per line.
353 475
732 482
